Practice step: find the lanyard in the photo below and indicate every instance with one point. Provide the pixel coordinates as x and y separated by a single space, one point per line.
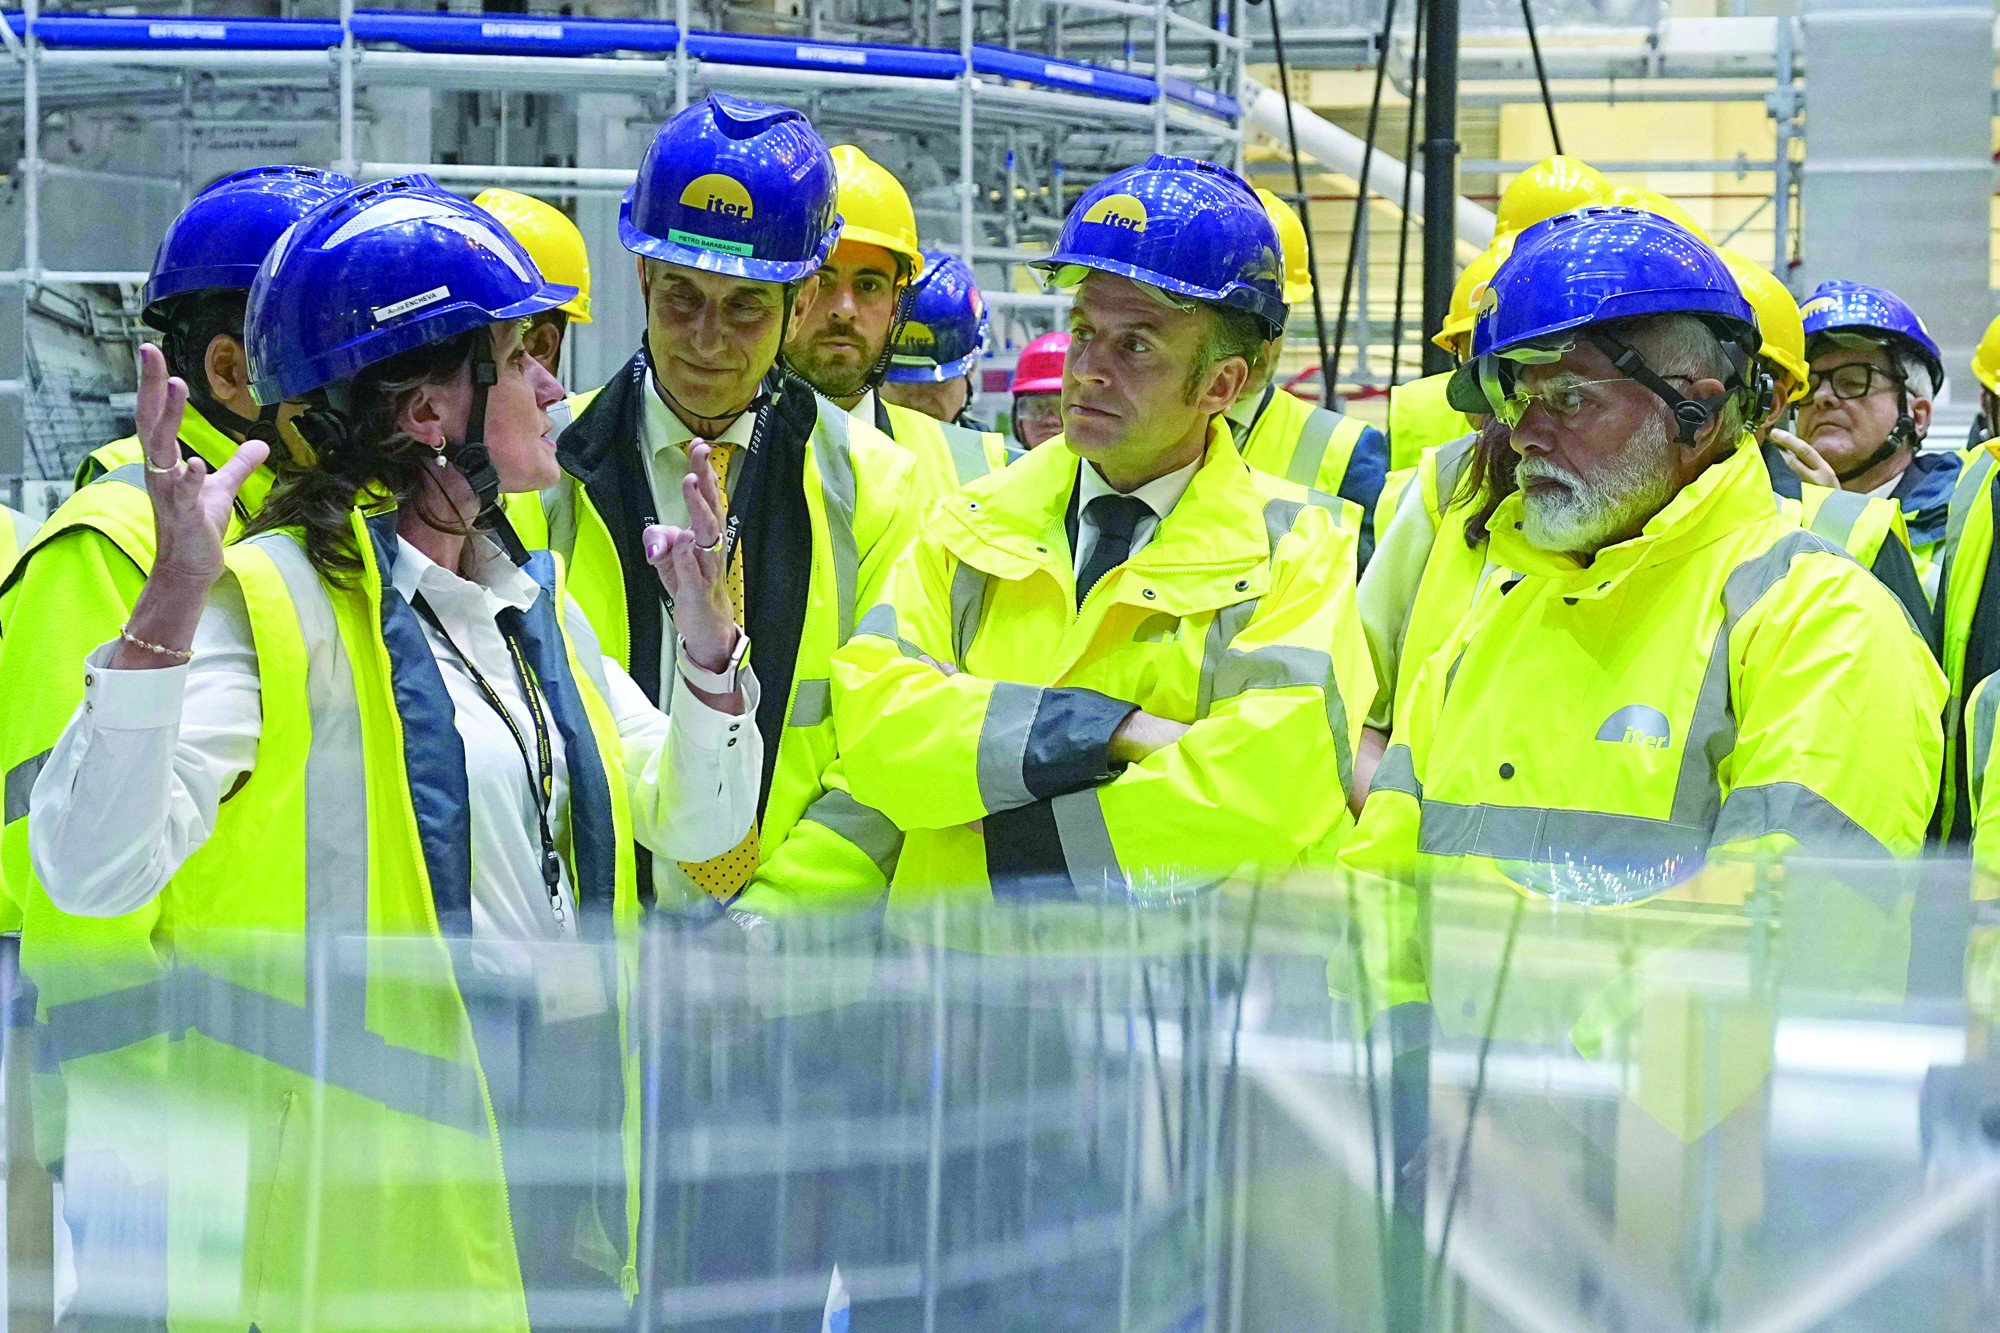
541 764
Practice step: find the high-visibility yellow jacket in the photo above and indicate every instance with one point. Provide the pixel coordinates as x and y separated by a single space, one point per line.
1982 712
855 497
1592 731
1965 561
16 531
72 591
947 455
1426 575
1420 419
1326 451
332 1151
1236 618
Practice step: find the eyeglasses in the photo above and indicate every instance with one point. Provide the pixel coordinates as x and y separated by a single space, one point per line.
1852 381
1563 399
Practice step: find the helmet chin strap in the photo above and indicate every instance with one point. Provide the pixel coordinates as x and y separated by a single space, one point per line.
1690 414
261 426
880 373
1902 435
211 408
758 399
470 455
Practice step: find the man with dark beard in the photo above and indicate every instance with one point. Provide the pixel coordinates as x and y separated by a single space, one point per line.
842 345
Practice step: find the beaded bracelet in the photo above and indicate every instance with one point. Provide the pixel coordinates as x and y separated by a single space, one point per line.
181 656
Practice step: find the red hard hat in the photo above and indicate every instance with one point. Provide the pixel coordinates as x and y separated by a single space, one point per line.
1040 369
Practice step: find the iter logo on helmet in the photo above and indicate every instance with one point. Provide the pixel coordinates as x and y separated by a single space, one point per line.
1118 210
717 193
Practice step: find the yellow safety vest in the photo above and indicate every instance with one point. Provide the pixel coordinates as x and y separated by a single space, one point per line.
1968 547
1423 577
331 1149
1420 419
16 531
1594 731
1306 445
73 590
1236 618
947 455
820 848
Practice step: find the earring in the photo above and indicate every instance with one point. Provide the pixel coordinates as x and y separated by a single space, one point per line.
437 453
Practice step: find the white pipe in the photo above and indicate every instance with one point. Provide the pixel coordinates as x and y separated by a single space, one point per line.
1338 151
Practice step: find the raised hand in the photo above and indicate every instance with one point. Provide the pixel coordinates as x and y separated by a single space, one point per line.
190 517
191 505
1804 460
693 567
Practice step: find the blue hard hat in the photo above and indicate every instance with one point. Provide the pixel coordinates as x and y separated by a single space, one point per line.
1183 225
222 236
737 187
1593 266
376 272
1852 307
946 329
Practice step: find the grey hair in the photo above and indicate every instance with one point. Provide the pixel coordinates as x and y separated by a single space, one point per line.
1684 345
1915 373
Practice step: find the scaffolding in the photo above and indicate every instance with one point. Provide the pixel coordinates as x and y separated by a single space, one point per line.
1032 124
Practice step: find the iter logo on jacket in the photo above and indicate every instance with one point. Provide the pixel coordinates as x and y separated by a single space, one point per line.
717 193
1637 724
1118 210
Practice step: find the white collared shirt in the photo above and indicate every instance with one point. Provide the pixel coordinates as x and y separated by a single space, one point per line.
133 787
1159 495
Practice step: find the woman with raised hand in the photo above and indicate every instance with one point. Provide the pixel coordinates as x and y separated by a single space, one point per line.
379 773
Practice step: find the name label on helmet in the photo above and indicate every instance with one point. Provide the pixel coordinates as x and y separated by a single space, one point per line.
716 243
831 55
1068 74
717 193
917 334
1118 210
385 313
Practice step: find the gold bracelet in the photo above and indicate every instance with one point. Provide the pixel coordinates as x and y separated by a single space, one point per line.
181 656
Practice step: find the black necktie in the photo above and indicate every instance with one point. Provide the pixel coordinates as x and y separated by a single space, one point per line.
1115 517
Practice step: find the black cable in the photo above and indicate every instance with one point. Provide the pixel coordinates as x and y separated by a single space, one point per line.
1159 1076
1472 1102
1365 1010
1541 72
1361 193
1305 204
1409 175
1242 993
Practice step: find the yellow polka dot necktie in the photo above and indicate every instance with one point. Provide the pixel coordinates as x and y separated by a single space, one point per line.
723 877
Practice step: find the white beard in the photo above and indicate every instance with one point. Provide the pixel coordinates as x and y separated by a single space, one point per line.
1621 495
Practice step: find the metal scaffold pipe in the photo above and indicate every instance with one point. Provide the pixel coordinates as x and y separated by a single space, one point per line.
1338 151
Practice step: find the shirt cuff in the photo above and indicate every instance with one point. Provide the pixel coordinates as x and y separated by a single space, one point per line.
140 700
707 726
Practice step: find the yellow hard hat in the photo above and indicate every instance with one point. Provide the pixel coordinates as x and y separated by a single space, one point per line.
550 239
874 206
1468 290
1778 322
1986 358
1556 184
1659 205
1292 244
